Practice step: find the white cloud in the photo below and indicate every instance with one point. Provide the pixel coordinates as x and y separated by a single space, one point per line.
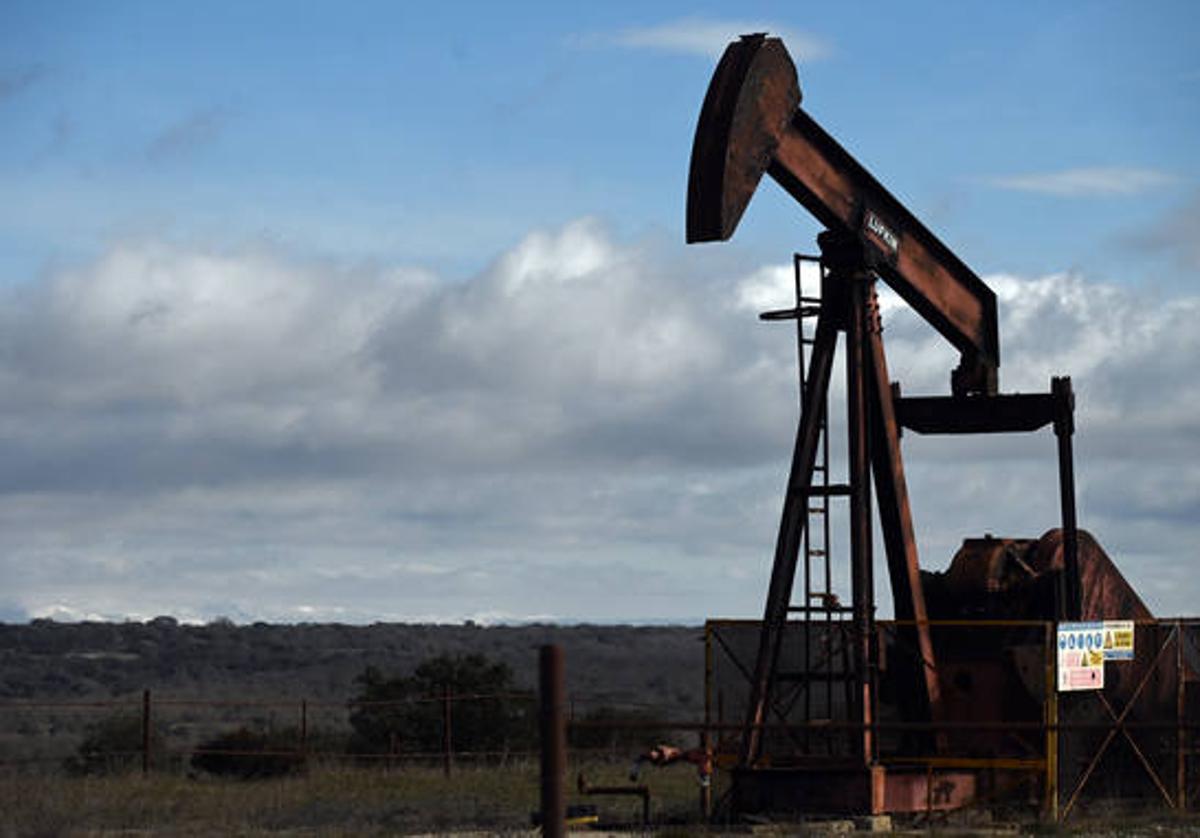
1086 182
708 37
586 429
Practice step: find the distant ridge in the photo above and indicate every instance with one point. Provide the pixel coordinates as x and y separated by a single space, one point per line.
657 666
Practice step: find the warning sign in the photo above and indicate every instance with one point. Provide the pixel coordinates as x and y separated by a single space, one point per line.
1081 655
1118 640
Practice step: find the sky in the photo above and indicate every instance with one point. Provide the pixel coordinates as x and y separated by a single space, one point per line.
382 311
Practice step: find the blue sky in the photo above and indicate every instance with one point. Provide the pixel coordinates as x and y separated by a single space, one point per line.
440 134
305 201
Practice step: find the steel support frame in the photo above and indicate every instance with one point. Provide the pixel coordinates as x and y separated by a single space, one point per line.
791 526
1013 413
899 539
848 304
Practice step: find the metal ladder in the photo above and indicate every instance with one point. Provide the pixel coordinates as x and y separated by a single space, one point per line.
820 605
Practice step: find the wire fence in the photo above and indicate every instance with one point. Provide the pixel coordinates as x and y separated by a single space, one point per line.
156 732
1004 724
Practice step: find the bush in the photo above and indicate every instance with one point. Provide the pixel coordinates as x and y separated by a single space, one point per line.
390 715
245 754
113 745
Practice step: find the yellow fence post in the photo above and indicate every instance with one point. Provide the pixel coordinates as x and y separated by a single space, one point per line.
1051 716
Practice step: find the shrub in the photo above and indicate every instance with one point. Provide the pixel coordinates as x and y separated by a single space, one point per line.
114 744
406 713
245 754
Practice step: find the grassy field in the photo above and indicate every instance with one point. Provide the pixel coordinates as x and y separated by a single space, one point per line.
337 800
327 801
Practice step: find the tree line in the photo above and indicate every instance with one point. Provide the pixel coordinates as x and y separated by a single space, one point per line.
465 703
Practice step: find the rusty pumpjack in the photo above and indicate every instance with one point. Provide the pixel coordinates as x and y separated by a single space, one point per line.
751 123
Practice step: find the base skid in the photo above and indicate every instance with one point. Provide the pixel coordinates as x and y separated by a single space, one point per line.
838 789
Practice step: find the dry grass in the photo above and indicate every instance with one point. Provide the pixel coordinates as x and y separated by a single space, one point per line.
328 801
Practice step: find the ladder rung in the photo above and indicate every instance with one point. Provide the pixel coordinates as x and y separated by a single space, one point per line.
833 489
780 314
813 300
813 676
816 510
816 553
818 468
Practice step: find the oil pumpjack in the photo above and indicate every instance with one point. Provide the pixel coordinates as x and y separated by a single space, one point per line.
752 124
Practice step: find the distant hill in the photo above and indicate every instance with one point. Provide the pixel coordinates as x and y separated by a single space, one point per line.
659 669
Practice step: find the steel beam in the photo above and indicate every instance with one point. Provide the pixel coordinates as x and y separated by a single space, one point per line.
791 528
859 458
895 521
1013 413
1064 429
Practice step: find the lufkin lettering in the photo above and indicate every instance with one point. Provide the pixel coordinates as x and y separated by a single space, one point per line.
874 225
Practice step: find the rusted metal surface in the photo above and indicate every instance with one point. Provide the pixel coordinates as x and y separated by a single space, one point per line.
862 583
899 540
749 102
752 124
931 790
985 699
1133 740
1015 578
831 788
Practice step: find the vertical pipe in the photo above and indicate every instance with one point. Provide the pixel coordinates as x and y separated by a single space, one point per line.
1180 721
447 733
145 732
552 689
860 501
706 736
1064 428
304 729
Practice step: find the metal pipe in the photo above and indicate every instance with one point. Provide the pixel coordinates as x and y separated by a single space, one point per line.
145 731
552 692
706 735
447 733
1064 428
860 498
1180 716
304 729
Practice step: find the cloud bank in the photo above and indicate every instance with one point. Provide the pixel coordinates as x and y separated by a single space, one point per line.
587 429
